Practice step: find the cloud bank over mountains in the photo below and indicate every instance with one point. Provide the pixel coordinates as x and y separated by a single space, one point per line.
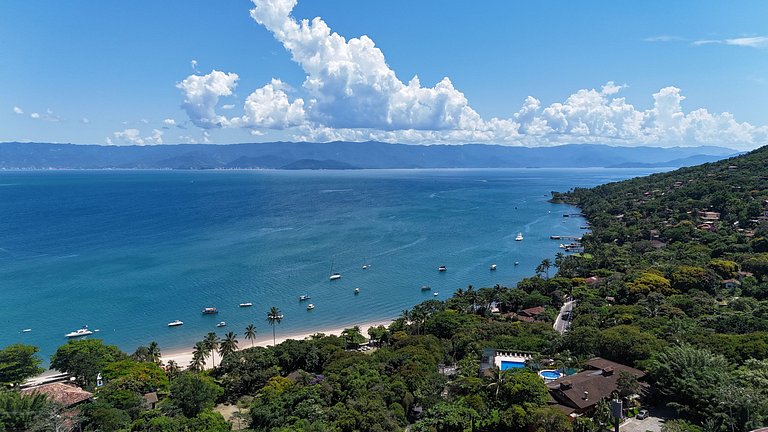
350 93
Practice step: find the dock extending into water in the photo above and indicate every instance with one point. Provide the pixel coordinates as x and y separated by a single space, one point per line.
564 237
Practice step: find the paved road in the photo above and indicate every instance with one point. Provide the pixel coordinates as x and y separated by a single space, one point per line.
562 325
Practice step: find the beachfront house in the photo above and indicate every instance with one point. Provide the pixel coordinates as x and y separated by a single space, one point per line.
68 396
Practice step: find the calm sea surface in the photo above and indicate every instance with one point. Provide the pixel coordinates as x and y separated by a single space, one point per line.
127 252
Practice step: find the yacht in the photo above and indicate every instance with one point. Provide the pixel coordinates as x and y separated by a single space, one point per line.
519 237
222 324
304 297
442 268
83 331
175 323
493 266
248 304
210 310
310 306
425 288
435 294
357 290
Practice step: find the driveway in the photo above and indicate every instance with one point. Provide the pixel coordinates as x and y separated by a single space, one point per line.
562 325
649 424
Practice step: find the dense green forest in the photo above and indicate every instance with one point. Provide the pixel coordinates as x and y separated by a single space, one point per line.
673 281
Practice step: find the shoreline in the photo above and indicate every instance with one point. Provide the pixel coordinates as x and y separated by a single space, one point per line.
183 357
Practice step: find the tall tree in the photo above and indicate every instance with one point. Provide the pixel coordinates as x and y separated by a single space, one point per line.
192 393
274 317
198 357
18 362
228 345
544 266
18 411
84 359
250 333
172 369
211 343
153 352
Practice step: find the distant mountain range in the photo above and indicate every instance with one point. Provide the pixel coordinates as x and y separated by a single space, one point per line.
347 155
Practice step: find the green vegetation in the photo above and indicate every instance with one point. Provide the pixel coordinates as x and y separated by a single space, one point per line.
17 363
673 281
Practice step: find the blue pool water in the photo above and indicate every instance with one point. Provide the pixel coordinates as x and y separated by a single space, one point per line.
550 374
127 252
511 365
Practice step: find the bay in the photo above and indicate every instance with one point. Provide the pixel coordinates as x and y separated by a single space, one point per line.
126 252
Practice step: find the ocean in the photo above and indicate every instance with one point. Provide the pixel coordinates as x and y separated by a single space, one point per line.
127 252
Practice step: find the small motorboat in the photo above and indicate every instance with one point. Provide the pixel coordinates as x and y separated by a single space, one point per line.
310 306
248 304
435 294
519 237
365 266
304 297
517 262
442 268
335 276
26 330
210 310
357 290
425 288
221 324
175 323
493 267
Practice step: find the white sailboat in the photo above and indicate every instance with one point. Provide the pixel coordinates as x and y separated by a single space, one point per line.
334 275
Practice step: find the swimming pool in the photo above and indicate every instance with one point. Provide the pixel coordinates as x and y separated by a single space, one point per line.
550 374
505 364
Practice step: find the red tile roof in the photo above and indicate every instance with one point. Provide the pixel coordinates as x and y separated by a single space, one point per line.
61 393
532 311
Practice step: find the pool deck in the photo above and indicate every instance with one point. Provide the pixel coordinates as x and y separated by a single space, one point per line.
509 357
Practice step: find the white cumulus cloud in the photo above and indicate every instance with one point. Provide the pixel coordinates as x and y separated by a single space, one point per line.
133 136
18 110
169 122
202 94
350 93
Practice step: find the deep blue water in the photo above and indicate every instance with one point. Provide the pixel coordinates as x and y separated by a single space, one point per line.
129 251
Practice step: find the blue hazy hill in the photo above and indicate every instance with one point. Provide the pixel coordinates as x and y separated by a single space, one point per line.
347 155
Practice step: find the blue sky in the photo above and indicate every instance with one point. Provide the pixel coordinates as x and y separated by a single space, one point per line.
537 73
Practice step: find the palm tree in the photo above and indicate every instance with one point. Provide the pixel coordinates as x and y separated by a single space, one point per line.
198 357
172 370
228 345
274 317
211 343
544 267
250 333
153 352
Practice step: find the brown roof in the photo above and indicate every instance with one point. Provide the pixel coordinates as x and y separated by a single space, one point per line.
532 311
61 393
151 397
598 381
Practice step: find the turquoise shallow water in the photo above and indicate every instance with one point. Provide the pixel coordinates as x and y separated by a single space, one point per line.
129 251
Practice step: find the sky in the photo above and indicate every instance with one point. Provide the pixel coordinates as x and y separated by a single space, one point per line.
535 73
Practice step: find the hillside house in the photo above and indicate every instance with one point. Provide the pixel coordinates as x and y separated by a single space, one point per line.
579 393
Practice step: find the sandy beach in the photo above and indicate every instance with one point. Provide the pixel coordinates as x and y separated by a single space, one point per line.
184 357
